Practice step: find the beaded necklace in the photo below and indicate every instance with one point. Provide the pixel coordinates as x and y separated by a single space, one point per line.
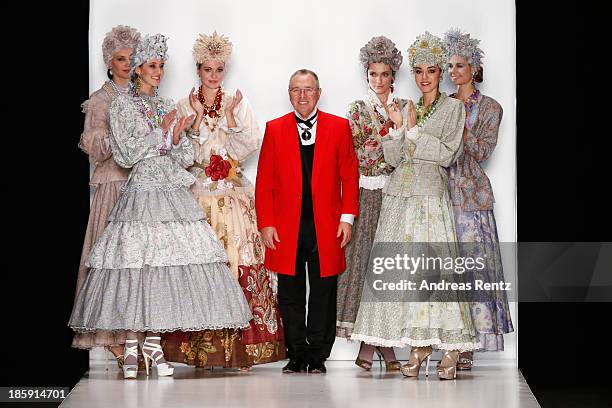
212 111
423 115
154 116
469 104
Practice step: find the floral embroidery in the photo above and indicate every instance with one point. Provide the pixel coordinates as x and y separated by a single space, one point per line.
366 130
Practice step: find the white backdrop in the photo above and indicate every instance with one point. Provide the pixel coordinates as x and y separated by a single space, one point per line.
273 38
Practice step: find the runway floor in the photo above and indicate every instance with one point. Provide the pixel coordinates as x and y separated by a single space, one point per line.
490 384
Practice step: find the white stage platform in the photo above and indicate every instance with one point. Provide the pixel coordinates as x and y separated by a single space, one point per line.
493 383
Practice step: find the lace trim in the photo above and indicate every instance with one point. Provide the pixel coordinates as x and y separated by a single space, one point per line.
344 330
157 330
135 188
373 182
231 191
405 341
347 325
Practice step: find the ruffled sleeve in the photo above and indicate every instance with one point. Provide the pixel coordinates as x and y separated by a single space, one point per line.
96 133
131 138
243 140
182 153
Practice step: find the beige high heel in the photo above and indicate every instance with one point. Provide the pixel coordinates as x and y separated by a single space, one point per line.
119 358
417 356
447 370
365 364
392 365
466 360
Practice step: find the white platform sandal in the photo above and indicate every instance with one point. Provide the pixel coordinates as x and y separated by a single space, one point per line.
130 371
149 352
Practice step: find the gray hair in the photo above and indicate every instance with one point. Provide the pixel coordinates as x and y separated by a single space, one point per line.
304 71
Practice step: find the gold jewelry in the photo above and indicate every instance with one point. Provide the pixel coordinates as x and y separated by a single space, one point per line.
137 84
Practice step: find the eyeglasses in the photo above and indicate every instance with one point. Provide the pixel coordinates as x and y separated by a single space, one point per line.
298 91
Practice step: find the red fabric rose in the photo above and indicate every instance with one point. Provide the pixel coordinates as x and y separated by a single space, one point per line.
218 168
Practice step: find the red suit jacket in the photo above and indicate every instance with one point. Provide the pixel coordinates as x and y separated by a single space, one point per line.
278 189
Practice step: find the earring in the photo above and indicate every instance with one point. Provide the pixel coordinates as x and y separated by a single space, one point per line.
109 73
391 87
137 84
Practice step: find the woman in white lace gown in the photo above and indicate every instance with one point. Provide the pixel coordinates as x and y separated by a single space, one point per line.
158 266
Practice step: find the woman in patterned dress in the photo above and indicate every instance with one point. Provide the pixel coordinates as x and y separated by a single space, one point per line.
471 192
369 122
224 134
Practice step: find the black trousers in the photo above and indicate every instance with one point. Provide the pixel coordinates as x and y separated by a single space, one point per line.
311 340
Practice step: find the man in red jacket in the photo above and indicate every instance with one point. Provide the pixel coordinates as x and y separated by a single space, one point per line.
306 197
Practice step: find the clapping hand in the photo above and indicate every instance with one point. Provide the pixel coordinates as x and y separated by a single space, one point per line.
395 114
179 127
195 103
168 119
412 115
229 109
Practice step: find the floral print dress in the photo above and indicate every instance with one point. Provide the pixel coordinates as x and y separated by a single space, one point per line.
227 199
366 118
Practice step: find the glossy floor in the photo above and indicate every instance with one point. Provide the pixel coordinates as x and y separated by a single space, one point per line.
490 384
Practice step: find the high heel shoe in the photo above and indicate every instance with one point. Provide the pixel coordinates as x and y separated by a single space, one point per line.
119 358
447 370
392 365
417 356
148 352
365 364
466 360
130 371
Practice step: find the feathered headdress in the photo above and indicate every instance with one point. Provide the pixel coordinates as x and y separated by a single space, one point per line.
212 47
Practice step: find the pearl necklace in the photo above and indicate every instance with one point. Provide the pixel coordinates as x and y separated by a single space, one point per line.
119 89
